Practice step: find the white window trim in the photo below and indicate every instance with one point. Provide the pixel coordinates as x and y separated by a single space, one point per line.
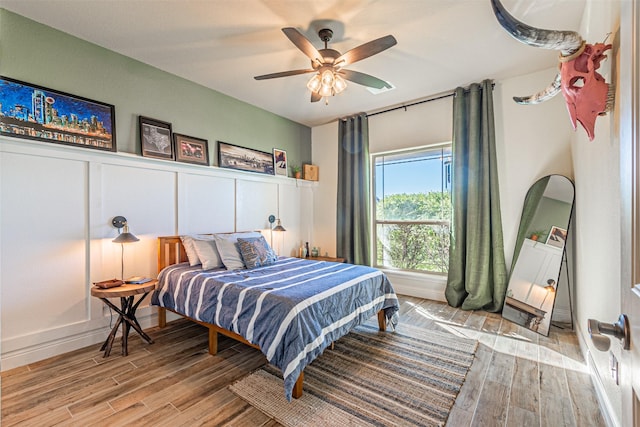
427 276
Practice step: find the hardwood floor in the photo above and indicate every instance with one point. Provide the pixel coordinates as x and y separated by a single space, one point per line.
518 378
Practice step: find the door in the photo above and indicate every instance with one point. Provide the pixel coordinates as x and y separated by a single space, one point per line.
629 110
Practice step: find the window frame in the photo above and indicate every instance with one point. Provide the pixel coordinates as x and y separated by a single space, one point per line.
375 221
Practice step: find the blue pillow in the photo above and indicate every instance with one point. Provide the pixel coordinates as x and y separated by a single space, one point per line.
256 252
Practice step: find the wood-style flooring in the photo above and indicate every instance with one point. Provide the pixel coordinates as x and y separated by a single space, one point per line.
518 378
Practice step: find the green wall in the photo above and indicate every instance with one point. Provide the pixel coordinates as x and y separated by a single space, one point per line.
41 55
550 212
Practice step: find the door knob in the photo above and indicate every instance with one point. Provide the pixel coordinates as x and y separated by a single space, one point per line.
620 330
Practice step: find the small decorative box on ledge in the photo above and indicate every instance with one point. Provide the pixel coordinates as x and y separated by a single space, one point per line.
310 172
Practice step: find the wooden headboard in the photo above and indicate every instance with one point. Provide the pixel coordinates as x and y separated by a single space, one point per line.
170 251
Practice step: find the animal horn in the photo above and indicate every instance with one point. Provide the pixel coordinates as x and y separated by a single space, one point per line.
548 93
566 41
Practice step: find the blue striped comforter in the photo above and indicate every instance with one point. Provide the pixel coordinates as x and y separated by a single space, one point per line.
292 309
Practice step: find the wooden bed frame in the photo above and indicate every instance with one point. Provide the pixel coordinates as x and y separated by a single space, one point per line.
171 251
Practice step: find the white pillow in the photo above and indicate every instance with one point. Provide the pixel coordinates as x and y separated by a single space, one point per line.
207 253
189 248
228 248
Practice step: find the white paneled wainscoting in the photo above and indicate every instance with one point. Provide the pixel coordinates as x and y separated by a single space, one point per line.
56 207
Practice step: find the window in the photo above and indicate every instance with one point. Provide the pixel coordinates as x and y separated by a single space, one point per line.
412 209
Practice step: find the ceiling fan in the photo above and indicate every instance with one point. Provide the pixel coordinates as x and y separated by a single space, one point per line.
328 64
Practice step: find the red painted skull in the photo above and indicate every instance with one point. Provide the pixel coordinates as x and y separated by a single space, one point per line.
584 89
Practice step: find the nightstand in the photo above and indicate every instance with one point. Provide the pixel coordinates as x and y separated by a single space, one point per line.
127 311
326 258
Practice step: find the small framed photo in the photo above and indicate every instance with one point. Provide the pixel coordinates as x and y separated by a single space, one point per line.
557 237
155 138
280 162
190 149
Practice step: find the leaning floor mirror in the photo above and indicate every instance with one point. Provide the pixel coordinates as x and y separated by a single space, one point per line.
538 254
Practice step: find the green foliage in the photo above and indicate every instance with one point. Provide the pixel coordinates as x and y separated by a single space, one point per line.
415 207
414 246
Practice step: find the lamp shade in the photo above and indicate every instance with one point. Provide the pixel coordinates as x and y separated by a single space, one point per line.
278 226
125 236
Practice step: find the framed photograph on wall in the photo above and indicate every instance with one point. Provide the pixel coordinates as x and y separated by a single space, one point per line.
246 159
557 237
35 112
155 138
280 162
190 149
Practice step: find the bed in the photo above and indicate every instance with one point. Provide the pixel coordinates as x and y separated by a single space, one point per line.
291 310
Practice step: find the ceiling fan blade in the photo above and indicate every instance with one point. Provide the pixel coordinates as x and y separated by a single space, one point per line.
366 50
315 97
283 74
302 43
364 79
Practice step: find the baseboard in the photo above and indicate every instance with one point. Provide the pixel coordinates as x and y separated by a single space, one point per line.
46 347
417 285
603 400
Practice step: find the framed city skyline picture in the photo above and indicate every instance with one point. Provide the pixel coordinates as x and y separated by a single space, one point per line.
246 159
35 112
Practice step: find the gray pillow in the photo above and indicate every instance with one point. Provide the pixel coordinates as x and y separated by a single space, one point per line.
207 253
228 248
189 248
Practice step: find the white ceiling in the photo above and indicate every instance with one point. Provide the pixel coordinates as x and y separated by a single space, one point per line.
223 44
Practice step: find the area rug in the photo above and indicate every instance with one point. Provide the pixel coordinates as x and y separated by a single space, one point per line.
408 377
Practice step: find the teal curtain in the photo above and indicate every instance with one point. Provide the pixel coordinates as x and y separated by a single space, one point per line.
477 272
531 201
353 239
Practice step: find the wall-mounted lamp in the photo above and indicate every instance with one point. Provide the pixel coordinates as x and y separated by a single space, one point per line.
278 226
125 236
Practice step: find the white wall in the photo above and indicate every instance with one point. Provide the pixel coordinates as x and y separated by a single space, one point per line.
532 141
56 206
597 233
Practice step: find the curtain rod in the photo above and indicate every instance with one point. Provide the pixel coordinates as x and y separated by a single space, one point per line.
446 95
410 105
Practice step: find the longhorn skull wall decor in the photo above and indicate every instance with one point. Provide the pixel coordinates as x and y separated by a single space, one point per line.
585 91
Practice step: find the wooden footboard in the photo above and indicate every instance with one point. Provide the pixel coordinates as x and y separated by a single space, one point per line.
171 251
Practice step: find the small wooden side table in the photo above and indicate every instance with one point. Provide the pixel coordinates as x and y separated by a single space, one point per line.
127 311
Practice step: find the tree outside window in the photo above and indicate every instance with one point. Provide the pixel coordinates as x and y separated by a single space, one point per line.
413 209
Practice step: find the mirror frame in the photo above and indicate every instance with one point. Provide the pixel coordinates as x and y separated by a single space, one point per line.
538 260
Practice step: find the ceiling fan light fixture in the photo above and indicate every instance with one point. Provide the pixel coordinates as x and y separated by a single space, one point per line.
339 84
325 90
327 83
315 83
327 78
